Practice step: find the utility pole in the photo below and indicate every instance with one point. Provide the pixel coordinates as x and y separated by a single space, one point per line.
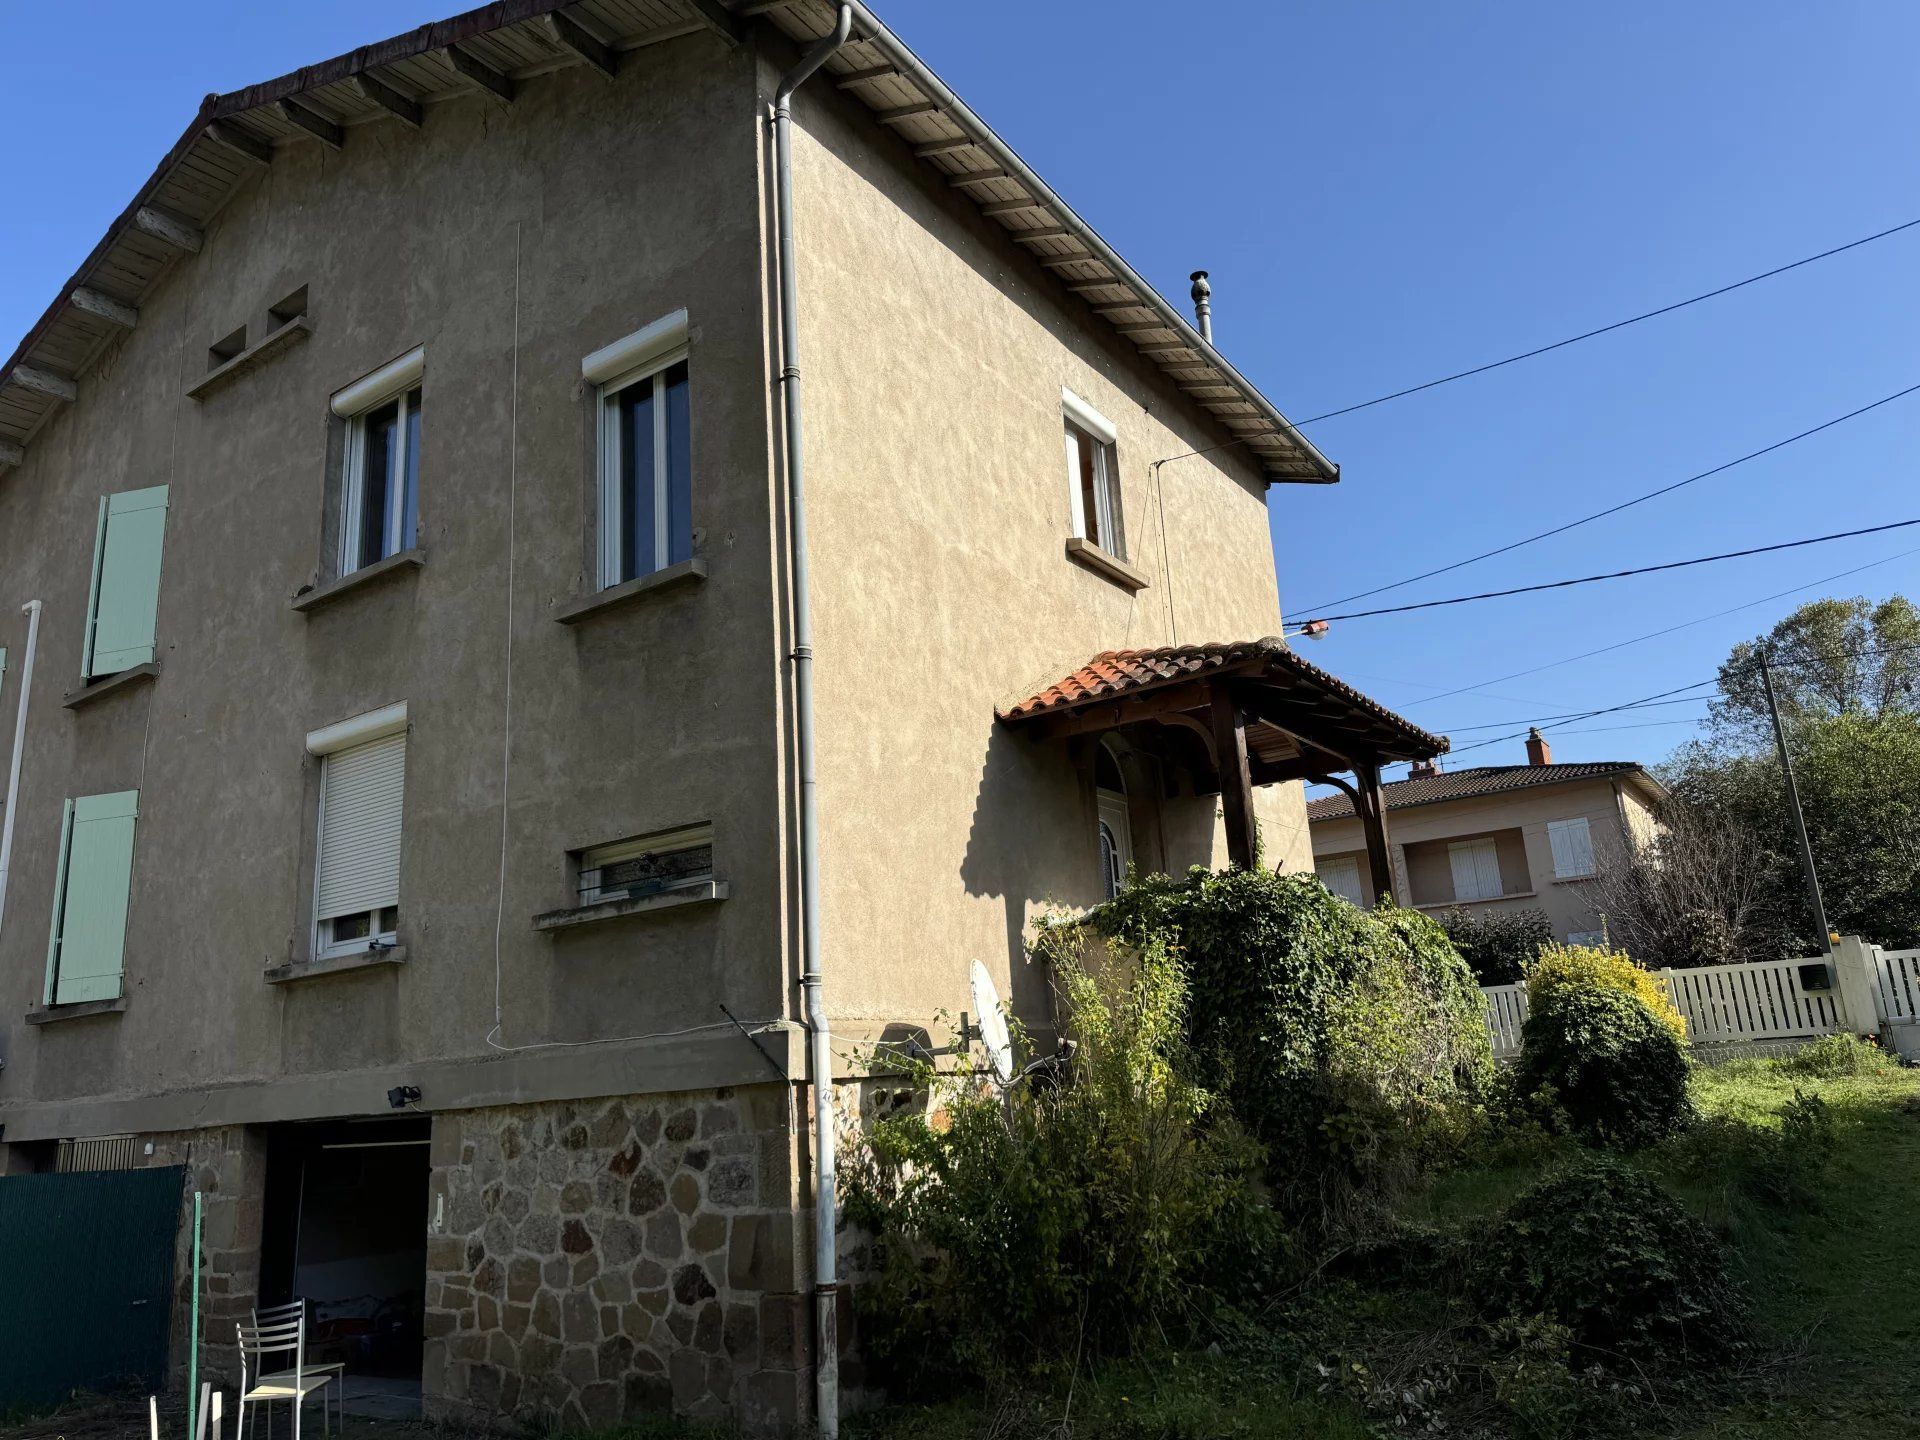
1793 807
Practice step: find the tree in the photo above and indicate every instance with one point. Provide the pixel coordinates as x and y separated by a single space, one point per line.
1830 658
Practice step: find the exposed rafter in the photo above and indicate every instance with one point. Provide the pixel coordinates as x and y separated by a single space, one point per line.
897 113
168 228
10 453
314 123
104 307
494 84
862 77
243 143
406 111
44 382
570 34
943 147
717 18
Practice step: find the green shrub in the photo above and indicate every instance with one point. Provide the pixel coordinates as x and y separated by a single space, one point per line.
1619 1075
1835 1057
1583 967
1497 944
1013 1232
1602 1250
1343 1039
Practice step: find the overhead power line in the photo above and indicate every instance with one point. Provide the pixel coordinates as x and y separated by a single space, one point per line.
1591 714
1619 574
1624 504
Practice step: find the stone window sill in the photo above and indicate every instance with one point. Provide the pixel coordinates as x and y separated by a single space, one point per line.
315 596
705 893
55 1014
1107 567
289 334
92 690
336 964
1488 900
585 608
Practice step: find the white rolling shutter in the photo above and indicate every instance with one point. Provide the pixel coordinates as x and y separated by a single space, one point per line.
1341 875
360 793
1476 869
1572 842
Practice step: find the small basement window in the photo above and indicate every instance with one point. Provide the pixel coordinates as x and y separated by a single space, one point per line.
380 475
223 350
645 865
1093 476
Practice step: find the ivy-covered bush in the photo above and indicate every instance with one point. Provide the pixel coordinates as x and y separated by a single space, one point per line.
1013 1232
1607 1253
1497 944
1343 1039
1560 968
1612 1068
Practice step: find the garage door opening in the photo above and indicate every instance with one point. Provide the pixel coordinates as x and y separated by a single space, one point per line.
346 1231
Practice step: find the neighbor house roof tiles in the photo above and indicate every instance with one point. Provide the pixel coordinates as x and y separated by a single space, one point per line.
1471 784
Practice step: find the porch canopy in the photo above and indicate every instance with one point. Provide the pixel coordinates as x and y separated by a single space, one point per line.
1244 714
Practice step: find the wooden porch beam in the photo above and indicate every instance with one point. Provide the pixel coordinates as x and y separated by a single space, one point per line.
168 228
314 123
1093 719
243 143
1236 782
406 111
104 307
570 34
1370 803
492 83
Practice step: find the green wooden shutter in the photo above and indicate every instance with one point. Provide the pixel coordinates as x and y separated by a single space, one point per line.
90 898
126 591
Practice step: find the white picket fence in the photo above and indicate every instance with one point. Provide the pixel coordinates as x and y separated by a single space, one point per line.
1746 1004
1897 983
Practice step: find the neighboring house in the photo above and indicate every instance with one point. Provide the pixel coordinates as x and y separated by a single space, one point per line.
407 829
1500 837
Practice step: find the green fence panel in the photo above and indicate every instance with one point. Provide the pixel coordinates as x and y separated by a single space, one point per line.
86 1281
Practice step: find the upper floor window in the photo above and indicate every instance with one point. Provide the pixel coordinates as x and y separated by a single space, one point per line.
645 450
1093 476
1572 842
1476 869
90 898
380 478
124 598
356 888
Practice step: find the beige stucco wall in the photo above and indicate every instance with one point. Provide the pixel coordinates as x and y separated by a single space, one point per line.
1418 838
588 210
935 356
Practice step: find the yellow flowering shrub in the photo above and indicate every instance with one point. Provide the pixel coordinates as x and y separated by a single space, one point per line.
1561 968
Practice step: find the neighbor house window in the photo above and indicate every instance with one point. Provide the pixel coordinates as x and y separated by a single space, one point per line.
90 898
1341 875
1476 869
356 890
645 451
1093 476
1586 937
380 476
124 597
1572 842
646 865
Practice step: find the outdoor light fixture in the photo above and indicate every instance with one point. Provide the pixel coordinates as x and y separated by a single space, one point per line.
401 1096
1312 630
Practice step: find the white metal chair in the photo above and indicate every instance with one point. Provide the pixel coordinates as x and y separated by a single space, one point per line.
265 1376
297 1310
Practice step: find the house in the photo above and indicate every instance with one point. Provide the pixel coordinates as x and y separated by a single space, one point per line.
486 770
1496 837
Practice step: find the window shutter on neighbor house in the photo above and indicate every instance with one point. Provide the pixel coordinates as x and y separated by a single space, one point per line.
126 581
360 797
1572 842
1341 875
90 898
1476 869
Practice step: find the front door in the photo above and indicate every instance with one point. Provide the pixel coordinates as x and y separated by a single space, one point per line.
1116 842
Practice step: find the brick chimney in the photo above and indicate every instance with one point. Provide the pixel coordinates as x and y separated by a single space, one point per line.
1538 752
1423 769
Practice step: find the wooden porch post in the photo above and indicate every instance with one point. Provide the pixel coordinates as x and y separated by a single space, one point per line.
1371 803
1236 780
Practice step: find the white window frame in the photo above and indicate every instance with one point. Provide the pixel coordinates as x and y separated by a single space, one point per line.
636 359
396 380
596 858
1077 414
1480 849
1114 836
1572 835
322 743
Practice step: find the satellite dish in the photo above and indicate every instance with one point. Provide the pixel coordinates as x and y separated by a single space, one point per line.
993 1025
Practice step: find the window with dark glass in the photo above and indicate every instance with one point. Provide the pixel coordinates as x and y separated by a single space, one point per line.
382 493
646 482
1092 471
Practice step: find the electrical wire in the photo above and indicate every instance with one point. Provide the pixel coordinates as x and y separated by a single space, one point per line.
1623 505
1551 719
1570 340
1619 574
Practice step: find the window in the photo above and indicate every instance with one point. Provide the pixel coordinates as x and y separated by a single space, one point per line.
1476 869
90 898
1572 843
1115 825
356 888
645 451
1093 476
1586 937
380 474
646 865
1341 875
124 596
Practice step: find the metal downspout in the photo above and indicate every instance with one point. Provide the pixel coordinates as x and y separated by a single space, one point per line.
32 611
826 1358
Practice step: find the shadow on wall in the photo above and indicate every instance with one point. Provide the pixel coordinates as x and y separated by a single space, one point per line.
1030 843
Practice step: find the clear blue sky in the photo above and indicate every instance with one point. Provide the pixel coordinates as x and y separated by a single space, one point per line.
1384 193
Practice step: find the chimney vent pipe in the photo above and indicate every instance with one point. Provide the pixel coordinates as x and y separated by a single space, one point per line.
1202 294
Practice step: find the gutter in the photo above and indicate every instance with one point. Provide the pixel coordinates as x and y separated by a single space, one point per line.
826 1288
